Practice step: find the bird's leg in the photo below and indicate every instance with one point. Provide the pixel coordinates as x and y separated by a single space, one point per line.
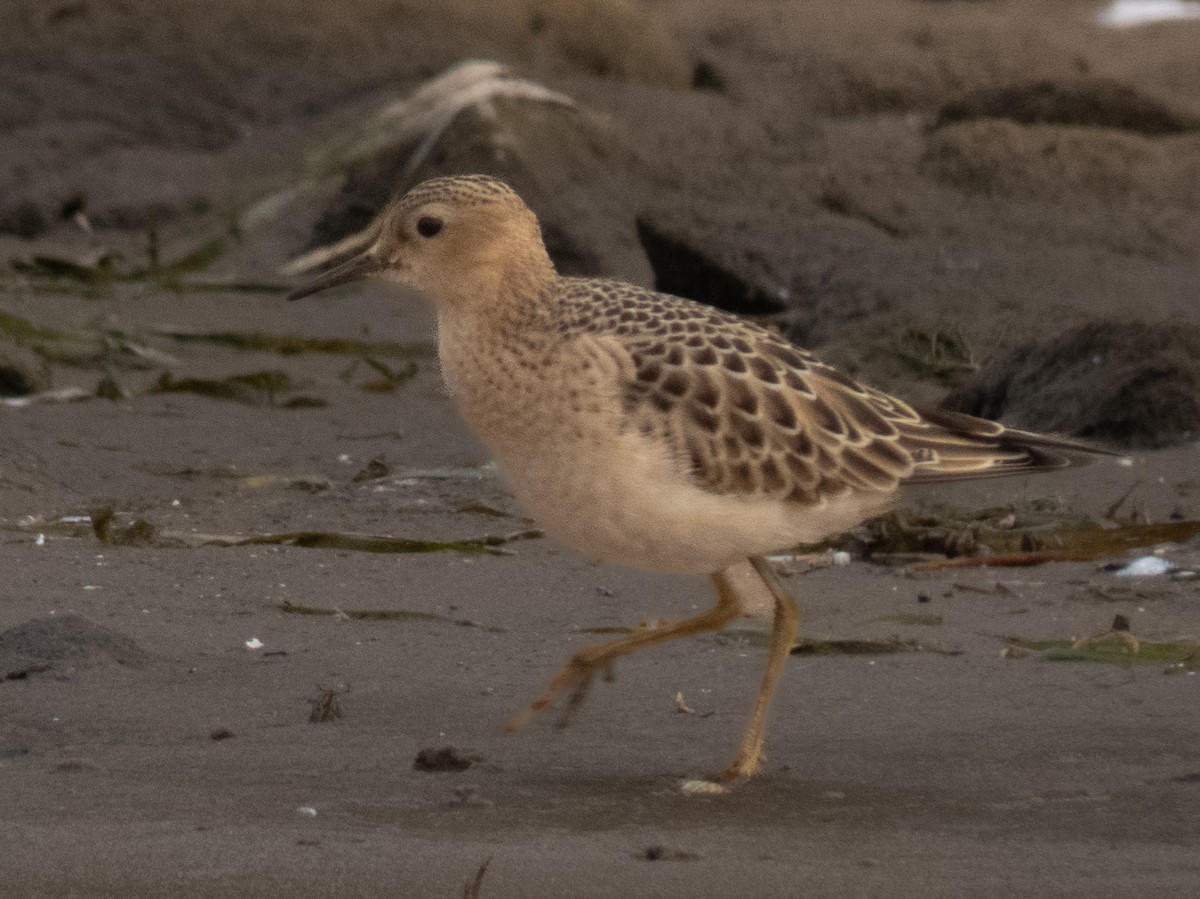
783 636
576 675
578 695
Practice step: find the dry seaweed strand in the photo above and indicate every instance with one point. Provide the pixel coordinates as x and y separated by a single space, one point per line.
472 886
1083 545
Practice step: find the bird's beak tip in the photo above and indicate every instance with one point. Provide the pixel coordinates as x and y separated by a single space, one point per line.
356 269
299 293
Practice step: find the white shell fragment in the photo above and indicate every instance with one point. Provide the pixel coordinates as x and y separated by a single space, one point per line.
1146 566
1127 13
254 643
703 788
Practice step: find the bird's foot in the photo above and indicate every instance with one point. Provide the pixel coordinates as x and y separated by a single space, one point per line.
579 694
744 764
575 676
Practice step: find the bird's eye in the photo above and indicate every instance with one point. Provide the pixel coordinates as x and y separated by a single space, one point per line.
429 226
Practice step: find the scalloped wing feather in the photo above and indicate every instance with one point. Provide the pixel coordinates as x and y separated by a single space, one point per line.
749 413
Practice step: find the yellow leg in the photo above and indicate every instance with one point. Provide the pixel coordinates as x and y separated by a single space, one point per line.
783 636
576 675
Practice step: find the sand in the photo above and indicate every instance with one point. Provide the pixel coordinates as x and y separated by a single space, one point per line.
147 750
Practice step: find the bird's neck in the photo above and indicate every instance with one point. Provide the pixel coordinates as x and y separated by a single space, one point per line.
495 280
499 323
491 349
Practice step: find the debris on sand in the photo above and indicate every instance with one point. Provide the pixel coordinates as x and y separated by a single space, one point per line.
381 615
1013 535
1145 566
806 646
325 706
99 268
490 545
113 532
701 788
269 387
660 853
811 646
360 614
471 887
119 529
1112 648
445 758
294 345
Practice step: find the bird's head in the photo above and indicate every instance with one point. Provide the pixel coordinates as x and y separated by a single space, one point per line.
458 240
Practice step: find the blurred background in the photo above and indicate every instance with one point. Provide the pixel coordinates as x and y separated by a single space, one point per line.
917 189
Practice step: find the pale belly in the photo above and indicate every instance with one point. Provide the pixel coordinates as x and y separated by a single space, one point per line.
631 504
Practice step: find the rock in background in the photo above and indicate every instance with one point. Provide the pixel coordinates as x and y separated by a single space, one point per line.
1128 384
567 162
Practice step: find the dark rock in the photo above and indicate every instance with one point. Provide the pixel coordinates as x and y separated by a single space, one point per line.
684 268
556 157
23 218
706 77
1129 384
658 853
1093 103
62 644
15 380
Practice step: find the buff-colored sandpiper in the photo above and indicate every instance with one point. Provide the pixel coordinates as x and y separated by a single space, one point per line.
653 431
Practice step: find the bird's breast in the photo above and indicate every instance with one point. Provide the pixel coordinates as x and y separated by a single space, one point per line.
527 393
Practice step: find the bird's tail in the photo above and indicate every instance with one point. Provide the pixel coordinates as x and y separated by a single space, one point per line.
951 446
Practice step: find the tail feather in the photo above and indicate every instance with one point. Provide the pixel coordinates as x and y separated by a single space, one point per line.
950 446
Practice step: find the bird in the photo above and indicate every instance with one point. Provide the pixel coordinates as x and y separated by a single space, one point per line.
656 432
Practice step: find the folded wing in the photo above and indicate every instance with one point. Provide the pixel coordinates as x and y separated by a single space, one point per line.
749 413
